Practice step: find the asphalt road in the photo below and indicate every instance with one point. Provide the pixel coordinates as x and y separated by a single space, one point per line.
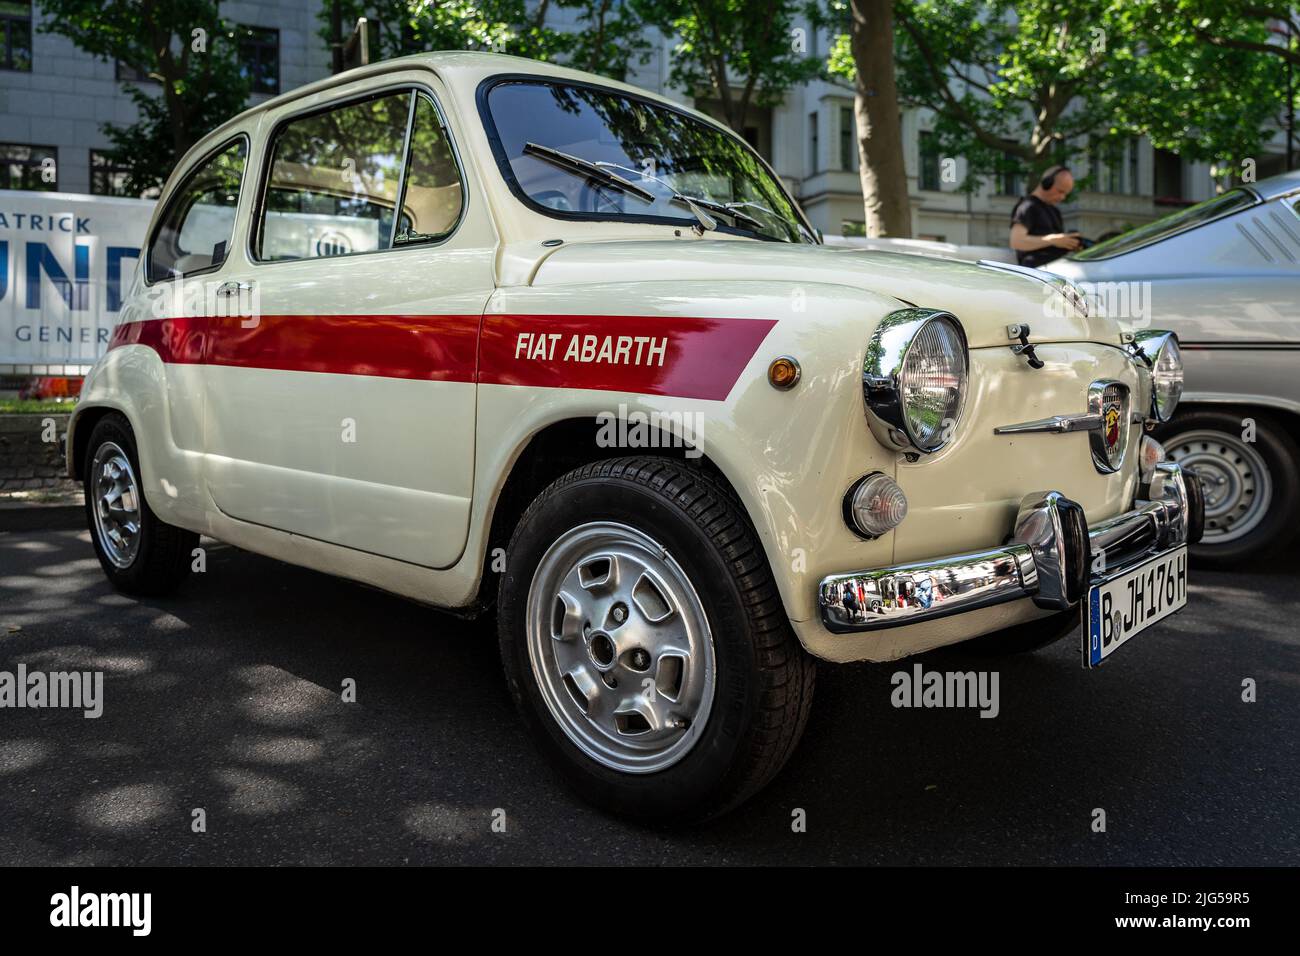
227 697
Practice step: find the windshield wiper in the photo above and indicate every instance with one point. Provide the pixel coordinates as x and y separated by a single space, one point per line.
703 221
585 167
695 203
725 209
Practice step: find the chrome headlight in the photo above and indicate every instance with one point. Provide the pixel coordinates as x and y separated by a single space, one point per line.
1165 359
914 379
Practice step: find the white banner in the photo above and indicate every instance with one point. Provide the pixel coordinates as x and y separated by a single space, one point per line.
66 262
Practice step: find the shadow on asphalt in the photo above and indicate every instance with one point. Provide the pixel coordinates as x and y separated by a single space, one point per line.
227 697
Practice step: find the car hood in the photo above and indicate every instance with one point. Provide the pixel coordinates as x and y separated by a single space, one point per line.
985 297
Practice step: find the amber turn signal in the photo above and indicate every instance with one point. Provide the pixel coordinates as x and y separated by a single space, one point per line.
783 373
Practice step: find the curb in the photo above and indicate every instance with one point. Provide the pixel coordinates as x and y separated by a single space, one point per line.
54 518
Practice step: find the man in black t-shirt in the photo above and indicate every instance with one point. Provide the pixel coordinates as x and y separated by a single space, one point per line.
1037 231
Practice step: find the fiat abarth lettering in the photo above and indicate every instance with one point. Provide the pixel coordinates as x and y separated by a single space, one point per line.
382 327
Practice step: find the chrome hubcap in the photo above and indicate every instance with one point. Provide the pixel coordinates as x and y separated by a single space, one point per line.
620 647
1237 484
116 500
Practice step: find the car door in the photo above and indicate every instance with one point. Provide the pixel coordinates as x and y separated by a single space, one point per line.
187 249
340 394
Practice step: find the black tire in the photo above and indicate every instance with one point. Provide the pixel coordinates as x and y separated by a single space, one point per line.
165 552
764 678
1027 637
1280 456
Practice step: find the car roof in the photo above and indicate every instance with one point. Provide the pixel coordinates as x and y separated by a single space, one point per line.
455 67
1277 186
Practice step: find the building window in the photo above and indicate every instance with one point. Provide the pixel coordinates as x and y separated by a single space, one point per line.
929 153
1107 165
1133 186
259 58
16 32
34 168
846 138
1168 179
814 145
126 73
107 175
1009 180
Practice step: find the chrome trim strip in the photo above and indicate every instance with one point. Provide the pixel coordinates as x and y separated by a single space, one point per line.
1057 424
1038 562
1092 421
1068 291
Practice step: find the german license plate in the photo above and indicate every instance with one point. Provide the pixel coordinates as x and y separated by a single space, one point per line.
1127 605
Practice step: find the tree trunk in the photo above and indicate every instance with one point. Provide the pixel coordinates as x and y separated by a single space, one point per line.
880 122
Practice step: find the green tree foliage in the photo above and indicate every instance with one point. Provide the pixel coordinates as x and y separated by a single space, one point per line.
185 48
1016 85
738 54
608 38
1272 29
1218 71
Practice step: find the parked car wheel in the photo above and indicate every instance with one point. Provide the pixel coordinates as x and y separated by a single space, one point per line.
1252 489
1030 636
140 553
645 643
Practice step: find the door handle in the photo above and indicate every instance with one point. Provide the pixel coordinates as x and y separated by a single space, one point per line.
232 288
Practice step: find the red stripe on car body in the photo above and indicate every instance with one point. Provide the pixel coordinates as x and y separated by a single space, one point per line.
700 358
677 356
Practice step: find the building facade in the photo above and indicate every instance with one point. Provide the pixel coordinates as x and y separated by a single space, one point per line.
54 97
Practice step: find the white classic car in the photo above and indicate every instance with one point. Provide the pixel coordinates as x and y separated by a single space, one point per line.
485 332
1225 276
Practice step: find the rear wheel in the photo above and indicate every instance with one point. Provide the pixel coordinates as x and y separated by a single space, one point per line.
1252 487
645 643
140 553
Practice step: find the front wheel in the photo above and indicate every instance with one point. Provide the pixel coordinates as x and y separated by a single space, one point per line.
1249 469
139 553
645 643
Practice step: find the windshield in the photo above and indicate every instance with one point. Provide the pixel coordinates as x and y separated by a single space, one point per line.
585 153
1170 225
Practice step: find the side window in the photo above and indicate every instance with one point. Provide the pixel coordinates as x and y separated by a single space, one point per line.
337 180
334 181
197 226
432 197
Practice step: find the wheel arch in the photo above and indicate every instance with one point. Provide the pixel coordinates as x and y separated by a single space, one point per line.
1284 413
556 449
81 426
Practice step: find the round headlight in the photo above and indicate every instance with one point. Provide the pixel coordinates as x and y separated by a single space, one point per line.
1167 378
932 384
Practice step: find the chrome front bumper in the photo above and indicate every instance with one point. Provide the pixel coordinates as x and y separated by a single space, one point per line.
1053 556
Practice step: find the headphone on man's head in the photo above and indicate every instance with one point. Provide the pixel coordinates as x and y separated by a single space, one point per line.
1049 177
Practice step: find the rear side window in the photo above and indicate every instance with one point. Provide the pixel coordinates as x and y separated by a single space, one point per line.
196 228
338 179
432 198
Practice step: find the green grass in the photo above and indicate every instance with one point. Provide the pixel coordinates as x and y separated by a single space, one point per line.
18 406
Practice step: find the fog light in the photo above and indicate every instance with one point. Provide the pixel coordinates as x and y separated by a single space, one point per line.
1150 454
874 505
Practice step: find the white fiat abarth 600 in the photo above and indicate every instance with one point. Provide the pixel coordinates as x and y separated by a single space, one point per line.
486 332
